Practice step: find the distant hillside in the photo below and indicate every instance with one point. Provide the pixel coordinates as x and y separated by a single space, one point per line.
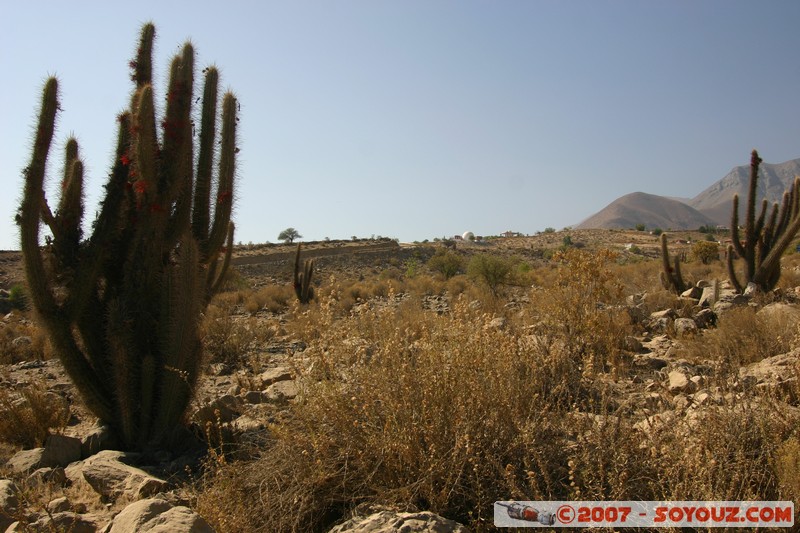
649 209
773 180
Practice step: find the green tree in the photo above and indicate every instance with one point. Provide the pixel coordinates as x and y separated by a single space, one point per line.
446 262
491 270
289 235
705 251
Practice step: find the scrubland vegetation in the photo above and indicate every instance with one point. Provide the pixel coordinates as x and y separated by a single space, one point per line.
517 393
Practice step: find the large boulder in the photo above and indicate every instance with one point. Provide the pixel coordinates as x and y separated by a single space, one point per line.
59 450
109 475
157 516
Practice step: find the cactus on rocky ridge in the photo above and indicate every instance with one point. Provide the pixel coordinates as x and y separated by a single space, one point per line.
122 306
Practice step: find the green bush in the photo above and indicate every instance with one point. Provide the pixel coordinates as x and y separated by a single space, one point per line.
491 270
705 251
447 263
17 298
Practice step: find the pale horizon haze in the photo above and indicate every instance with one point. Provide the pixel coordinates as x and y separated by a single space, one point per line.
422 119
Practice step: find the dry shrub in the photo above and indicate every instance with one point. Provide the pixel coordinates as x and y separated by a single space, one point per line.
743 336
423 285
273 298
227 338
725 453
441 412
23 340
582 312
787 467
28 416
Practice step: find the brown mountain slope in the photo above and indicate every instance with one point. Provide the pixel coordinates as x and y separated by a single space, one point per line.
649 209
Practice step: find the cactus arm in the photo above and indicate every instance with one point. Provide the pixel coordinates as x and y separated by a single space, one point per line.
731 271
177 153
179 343
205 161
216 276
735 235
227 170
142 65
33 199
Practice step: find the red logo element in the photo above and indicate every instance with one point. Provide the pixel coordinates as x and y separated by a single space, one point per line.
565 514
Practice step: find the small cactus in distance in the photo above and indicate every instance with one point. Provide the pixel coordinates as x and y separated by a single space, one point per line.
302 280
671 277
765 239
122 306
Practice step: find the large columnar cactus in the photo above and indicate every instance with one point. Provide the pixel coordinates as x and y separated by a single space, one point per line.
671 277
302 280
765 239
122 306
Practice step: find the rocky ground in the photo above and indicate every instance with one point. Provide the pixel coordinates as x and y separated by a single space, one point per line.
76 482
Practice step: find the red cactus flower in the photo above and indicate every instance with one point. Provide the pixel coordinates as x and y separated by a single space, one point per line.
223 197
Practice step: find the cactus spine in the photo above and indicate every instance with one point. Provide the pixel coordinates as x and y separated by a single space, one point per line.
122 307
671 277
765 239
302 280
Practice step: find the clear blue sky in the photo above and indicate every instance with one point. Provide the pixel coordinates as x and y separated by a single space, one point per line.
418 119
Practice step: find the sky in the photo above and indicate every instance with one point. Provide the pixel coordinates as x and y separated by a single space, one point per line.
419 119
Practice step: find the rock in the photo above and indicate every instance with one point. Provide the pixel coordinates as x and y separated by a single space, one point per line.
693 294
47 475
649 362
282 391
496 323
705 318
63 521
59 505
157 516
60 450
678 382
9 503
780 311
775 374
632 344
245 424
752 289
391 522
685 327
255 397
100 438
26 461
112 478
274 375
221 410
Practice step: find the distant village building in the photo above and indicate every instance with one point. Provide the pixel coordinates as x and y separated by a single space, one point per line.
508 234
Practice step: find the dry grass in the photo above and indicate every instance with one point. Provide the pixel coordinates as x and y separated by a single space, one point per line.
744 336
451 412
29 415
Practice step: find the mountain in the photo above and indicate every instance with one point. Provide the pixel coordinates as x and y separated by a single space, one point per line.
773 179
649 209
